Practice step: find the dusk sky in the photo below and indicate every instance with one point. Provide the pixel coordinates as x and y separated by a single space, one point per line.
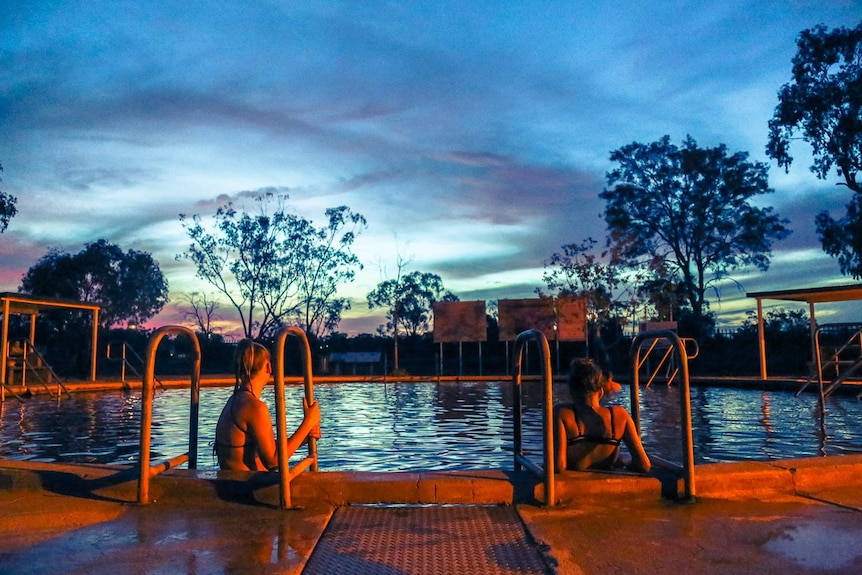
474 136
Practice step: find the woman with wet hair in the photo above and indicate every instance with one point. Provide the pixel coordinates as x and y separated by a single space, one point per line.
587 435
244 437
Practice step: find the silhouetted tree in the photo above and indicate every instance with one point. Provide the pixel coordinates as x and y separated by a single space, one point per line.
824 102
200 312
688 209
129 285
580 271
328 262
408 300
276 267
7 208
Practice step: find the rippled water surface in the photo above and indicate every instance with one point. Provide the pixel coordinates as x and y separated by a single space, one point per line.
411 426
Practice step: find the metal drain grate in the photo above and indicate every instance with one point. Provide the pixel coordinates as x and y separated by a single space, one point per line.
427 540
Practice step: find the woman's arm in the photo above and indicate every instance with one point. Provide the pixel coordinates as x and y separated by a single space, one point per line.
560 447
310 426
640 460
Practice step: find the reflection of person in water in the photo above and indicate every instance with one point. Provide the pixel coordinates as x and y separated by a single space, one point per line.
244 436
588 435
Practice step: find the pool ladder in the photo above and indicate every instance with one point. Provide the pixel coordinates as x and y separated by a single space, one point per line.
659 345
844 360
29 360
546 470
647 341
127 351
286 474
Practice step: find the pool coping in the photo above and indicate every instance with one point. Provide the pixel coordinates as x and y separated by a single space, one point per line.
747 479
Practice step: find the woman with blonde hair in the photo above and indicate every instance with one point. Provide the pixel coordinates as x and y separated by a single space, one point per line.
244 437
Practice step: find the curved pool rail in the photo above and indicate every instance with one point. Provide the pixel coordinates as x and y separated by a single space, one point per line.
191 457
286 473
545 471
667 359
686 470
836 359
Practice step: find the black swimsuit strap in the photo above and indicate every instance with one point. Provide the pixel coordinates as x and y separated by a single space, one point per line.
598 439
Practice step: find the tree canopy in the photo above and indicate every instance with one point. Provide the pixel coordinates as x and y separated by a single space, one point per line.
328 262
129 285
7 208
578 270
408 300
824 102
687 211
276 267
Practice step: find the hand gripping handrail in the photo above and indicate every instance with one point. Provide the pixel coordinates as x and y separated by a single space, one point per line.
678 345
287 474
147 411
546 472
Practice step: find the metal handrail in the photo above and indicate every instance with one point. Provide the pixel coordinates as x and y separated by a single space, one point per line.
28 345
842 377
546 472
668 354
124 362
147 471
677 344
286 473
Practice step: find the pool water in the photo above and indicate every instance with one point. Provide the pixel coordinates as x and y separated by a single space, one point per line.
428 425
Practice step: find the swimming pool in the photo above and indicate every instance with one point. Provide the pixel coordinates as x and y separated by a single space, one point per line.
412 426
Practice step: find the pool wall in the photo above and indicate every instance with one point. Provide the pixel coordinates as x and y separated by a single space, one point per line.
792 477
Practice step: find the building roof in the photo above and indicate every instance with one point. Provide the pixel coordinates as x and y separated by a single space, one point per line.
849 292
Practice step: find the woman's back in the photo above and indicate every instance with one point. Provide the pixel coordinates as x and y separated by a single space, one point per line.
238 433
592 436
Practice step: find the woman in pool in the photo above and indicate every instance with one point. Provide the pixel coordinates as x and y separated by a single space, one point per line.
244 437
587 435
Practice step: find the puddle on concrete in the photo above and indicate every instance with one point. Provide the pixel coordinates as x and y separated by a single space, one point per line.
819 546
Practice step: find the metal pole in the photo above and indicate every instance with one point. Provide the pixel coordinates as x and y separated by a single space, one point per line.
94 344
761 339
281 416
547 409
4 341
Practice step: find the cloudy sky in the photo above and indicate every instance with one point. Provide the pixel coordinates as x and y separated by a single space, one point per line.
473 135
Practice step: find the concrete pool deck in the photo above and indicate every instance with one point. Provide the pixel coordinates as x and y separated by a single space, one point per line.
803 515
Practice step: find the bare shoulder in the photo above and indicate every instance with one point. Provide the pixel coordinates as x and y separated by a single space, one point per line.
621 413
562 408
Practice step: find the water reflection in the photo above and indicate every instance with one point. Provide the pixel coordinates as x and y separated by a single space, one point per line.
429 425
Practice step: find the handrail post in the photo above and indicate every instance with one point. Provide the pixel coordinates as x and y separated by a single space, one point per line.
684 399
547 472
280 411
147 406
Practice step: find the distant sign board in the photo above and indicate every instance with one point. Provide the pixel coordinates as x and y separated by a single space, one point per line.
456 321
571 318
519 315
657 326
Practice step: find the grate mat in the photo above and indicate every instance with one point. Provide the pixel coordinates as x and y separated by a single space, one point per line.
426 540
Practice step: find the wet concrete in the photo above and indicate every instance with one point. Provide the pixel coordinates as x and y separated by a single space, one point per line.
800 516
